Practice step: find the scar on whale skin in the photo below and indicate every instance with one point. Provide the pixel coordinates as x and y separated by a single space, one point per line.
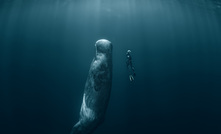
97 90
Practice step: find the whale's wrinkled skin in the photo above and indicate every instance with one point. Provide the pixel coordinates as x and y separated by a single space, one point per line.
97 90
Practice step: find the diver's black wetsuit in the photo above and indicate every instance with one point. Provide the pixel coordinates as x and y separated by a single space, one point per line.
130 67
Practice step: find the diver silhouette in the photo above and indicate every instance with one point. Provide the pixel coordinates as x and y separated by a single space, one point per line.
130 66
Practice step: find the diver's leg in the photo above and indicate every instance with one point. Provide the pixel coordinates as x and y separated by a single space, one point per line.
131 77
132 67
134 74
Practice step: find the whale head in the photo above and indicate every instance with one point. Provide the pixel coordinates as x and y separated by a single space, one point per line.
103 46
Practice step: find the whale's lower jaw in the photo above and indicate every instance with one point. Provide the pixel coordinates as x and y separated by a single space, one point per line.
97 90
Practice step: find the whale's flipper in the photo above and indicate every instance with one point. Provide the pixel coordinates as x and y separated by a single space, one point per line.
97 90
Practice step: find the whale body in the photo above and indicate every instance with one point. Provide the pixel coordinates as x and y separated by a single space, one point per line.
97 90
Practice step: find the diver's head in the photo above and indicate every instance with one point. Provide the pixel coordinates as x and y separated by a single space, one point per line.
128 51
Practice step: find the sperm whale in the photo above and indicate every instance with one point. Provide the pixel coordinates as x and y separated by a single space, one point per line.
97 90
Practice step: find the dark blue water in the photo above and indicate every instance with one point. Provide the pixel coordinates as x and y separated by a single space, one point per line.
46 47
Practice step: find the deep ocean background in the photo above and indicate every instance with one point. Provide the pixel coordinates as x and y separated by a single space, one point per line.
46 47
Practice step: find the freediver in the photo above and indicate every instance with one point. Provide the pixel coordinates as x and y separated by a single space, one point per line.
130 66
